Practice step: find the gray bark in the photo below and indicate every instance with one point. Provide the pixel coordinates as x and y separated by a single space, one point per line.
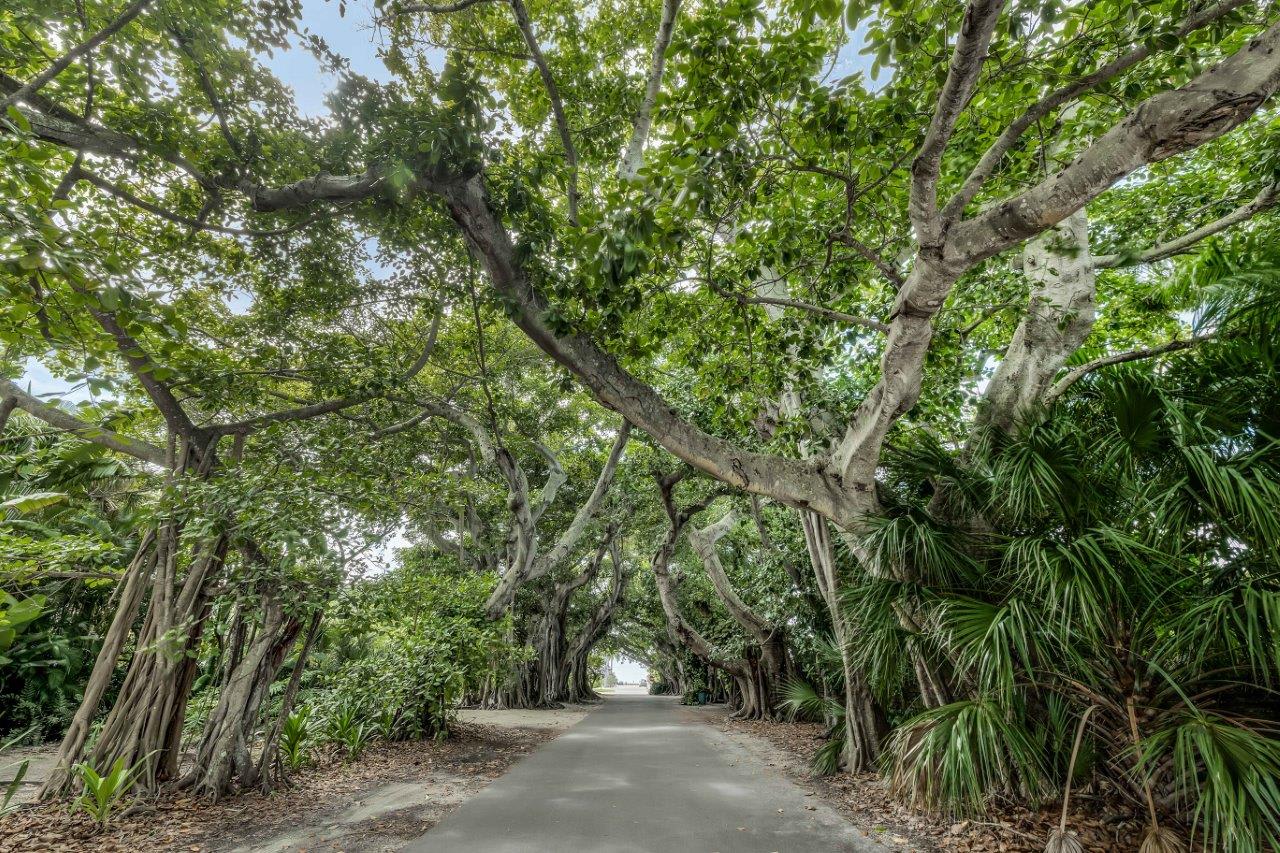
774 666
1059 317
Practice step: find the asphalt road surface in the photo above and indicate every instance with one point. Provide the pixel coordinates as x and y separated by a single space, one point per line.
642 775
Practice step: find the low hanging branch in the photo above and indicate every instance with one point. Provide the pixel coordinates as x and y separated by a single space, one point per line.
63 420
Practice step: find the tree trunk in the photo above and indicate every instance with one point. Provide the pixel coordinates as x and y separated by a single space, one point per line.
771 665
865 726
136 580
1060 315
224 757
270 771
577 678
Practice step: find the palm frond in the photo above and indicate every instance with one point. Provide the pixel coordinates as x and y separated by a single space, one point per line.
956 758
994 642
1230 774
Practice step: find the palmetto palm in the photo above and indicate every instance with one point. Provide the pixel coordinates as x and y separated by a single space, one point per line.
1120 551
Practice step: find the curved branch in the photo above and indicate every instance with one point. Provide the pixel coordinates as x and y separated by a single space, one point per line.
676 622
325 407
573 533
603 614
704 544
1077 373
794 482
60 419
556 477
1264 200
144 370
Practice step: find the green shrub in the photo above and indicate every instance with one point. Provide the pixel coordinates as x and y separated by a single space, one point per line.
413 642
293 737
101 793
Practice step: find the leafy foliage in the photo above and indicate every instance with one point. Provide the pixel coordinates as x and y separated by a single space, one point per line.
103 792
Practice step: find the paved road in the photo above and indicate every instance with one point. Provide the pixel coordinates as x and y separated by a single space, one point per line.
642 775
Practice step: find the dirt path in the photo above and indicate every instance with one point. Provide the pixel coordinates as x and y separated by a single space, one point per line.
393 794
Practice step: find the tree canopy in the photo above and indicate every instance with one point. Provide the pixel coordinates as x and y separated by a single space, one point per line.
907 364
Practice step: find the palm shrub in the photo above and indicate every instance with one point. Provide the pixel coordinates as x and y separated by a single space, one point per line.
293 738
349 731
801 701
103 791
1121 552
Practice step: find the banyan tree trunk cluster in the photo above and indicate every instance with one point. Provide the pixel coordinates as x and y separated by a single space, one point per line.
558 670
182 573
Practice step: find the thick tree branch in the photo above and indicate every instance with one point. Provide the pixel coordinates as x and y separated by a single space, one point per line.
1264 200
193 223
1218 100
321 187
573 533
603 614
794 482
7 405
60 419
991 159
442 8
36 83
633 158
144 370
680 627
483 440
704 544
1172 122
55 124
980 19
556 477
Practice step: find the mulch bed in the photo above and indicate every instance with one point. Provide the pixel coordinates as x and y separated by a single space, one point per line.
177 821
865 798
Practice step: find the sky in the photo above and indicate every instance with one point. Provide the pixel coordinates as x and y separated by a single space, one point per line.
353 36
627 670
